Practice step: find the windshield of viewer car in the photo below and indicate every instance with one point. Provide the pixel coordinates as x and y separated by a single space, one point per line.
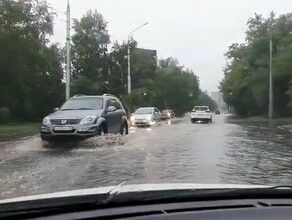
83 103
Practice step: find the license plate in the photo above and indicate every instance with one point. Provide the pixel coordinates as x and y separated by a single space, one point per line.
63 128
141 121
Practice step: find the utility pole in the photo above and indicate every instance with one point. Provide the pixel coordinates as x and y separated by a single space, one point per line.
271 76
129 68
129 58
68 63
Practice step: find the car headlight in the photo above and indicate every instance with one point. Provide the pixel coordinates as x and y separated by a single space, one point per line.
149 117
46 121
88 119
168 114
132 118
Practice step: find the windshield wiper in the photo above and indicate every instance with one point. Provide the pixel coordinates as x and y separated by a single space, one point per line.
72 109
84 109
281 187
117 196
67 109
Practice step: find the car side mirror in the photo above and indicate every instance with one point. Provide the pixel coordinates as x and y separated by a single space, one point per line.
56 109
111 109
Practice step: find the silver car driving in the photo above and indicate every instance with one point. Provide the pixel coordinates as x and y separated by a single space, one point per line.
145 116
85 116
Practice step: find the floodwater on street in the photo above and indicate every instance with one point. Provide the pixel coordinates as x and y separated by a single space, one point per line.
173 151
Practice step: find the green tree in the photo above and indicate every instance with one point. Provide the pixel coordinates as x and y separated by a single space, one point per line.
97 70
246 78
171 86
205 100
89 54
27 65
118 67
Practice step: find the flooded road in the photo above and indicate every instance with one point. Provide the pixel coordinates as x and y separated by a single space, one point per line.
172 151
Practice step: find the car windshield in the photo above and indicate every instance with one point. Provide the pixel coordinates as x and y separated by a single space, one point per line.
142 111
83 83
83 104
201 108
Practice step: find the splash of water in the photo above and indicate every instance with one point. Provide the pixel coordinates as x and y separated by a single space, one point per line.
103 141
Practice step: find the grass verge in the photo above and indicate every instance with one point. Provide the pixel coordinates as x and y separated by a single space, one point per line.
18 130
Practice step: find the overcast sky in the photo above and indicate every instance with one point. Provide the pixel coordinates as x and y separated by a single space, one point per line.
196 32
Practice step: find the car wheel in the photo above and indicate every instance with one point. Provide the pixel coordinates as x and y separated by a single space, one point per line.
193 121
102 130
210 121
124 129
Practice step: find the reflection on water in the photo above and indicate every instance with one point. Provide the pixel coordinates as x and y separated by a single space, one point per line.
257 154
149 129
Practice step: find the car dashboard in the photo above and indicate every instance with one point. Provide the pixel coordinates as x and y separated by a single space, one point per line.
244 209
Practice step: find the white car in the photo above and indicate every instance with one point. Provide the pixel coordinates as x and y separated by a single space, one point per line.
201 113
145 116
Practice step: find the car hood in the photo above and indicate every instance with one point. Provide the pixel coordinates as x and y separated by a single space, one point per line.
74 114
141 116
137 188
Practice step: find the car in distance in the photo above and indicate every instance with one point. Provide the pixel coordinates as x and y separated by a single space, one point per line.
201 113
85 116
145 116
217 112
167 114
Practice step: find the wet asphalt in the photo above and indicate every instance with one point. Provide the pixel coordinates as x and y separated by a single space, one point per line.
173 151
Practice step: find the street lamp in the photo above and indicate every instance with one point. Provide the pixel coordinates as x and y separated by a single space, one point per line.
68 58
271 76
129 58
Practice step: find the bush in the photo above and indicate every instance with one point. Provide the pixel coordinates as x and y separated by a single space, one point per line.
4 115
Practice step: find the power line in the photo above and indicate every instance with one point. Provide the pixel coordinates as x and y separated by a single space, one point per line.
64 13
63 20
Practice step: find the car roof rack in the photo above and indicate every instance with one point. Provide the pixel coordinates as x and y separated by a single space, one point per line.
78 95
107 94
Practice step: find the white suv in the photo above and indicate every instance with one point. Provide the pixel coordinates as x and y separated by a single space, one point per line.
201 113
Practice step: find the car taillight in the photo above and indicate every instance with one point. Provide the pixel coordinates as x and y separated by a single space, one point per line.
193 111
208 111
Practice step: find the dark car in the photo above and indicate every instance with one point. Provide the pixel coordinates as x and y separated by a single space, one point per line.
167 114
217 112
85 116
